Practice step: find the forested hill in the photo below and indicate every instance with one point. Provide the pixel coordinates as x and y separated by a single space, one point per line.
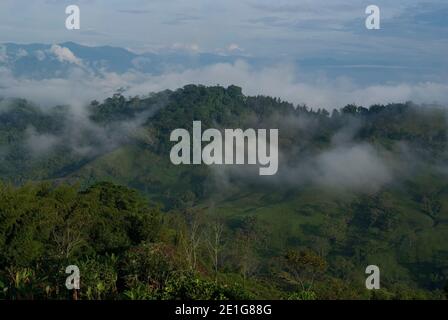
53 142
356 186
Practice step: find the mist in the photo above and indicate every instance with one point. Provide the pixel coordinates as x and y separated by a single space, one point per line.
80 86
346 164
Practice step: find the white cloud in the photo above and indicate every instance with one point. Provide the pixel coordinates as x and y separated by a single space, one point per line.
40 55
22 53
357 167
193 47
234 48
40 144
81 86
281 82
65 55
345 164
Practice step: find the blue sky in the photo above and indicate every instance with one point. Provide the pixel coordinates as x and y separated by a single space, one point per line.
321 39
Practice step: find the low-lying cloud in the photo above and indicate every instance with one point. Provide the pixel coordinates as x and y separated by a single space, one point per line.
81 86
345 164
357 167
354 167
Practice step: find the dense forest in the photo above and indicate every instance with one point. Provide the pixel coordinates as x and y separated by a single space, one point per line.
93 186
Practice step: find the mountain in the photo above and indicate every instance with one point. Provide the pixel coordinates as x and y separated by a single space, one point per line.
48 61
43 61
360 186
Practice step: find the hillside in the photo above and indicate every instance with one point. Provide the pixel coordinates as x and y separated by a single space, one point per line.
355 187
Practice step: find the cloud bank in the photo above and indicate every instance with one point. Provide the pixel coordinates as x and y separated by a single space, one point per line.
345 164
82 86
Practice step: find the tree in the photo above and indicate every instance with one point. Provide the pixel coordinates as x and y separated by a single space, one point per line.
191 237
150 265
430 205
215 242
302 268
246 241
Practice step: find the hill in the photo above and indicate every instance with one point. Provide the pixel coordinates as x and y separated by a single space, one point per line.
355 187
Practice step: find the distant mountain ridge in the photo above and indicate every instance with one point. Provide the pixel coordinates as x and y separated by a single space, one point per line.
44 61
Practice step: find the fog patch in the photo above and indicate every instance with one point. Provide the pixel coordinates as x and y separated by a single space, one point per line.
40 144
356 167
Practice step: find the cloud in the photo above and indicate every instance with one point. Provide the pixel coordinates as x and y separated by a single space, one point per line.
356 167
40 55
40 144
21 53
65 55
281 81
234 48
80 136
266 28
193 47
81 86
344 165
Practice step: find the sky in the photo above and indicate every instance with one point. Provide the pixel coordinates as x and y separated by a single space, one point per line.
321 39
299 28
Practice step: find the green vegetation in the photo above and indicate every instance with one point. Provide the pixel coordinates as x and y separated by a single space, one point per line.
96 189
